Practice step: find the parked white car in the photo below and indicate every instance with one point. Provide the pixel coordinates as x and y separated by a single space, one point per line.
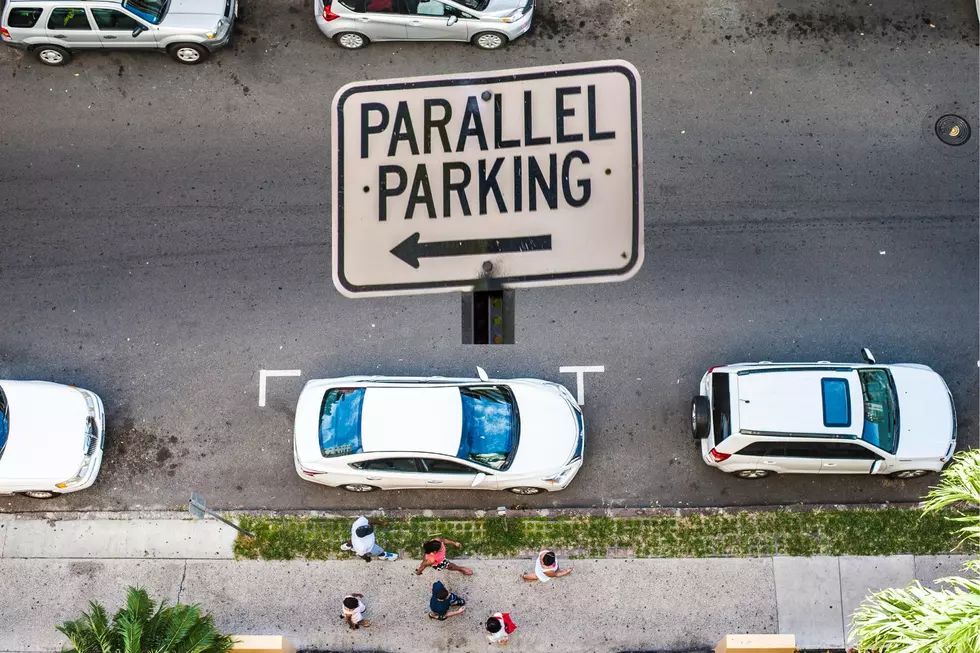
757 419
51 438
392 433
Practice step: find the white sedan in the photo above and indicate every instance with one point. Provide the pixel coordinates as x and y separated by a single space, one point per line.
393 433
51 438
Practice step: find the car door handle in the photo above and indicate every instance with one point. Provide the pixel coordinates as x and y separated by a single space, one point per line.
364 20
60 36
373 478
109 37
830 464
769 462
415 22
434 482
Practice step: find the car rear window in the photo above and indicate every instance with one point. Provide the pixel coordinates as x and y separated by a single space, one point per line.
721 406
26 17
836 402
340 422
489 426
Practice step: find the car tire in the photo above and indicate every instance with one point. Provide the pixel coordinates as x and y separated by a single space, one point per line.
489 40
189 54
359 488
751 474
525 491
911 473
700 417
39 494
351 40
52 55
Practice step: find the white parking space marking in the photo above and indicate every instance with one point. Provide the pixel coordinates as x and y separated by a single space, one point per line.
264 374
580 371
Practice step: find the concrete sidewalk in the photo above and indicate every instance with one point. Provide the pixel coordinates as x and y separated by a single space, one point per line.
49 570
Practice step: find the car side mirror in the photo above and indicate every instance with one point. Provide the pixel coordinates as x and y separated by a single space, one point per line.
452 21
867 356
139 29
482 373
478 480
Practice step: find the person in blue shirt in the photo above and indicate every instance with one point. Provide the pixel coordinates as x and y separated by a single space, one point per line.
442 602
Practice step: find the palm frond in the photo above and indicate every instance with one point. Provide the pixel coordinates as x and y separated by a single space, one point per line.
182 619
129 628
80 636
960 483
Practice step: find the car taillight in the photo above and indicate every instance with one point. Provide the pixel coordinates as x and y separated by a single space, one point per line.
4 33
719 457
309 473
328 15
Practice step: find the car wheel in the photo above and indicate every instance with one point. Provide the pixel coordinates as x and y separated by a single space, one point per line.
525 491
489 40
700 417
351 40
52 55
188 53
752 474
40 494
911 473
357 487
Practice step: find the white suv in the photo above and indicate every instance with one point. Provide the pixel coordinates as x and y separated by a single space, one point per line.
756 419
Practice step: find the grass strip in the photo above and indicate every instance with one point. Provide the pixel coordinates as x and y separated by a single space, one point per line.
888 531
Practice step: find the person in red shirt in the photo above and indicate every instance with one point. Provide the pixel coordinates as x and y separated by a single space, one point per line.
435 556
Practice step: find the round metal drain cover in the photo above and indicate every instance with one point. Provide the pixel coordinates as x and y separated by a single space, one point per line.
952 130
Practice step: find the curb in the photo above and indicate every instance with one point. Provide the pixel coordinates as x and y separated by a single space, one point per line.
455 514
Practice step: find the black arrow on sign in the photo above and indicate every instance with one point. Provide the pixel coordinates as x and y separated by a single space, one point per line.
411 250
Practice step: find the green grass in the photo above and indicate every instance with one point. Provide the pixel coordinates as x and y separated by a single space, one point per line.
887 531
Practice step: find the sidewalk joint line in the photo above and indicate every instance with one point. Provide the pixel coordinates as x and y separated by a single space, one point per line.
183 575
775 592
840 588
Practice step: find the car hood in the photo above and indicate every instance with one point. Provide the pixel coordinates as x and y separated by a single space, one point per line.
502 7
925 413
188 13
47 431
549 430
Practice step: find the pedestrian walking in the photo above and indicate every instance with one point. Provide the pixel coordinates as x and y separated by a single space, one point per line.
362 541
442 602
435 556
354 610
499 627
546 568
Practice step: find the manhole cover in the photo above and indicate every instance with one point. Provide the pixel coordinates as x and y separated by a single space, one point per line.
952 130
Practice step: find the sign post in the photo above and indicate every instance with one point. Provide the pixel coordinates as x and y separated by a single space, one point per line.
488 181
199 508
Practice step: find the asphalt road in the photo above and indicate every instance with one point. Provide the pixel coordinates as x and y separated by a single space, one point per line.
165 236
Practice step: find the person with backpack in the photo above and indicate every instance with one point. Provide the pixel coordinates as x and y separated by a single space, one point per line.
362 541
499 627
546 568
442 602
353 612
434 555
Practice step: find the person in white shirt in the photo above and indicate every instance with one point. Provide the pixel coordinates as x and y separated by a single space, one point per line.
354 610
362 541
499 627
546 568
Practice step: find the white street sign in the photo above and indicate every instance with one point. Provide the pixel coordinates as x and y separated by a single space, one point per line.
509 179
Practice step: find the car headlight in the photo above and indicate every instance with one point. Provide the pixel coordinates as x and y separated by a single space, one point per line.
514 15
79 477
218 30
562 476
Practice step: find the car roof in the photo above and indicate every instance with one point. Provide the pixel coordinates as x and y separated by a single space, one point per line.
413 419
790 400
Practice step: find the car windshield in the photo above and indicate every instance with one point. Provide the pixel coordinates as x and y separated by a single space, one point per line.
479 5
340 422
4 422
151 10
489 426
880 410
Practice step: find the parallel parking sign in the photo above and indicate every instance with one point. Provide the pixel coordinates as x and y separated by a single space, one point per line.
505 179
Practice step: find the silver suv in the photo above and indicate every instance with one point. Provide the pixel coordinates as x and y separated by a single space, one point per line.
189 30
487 24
